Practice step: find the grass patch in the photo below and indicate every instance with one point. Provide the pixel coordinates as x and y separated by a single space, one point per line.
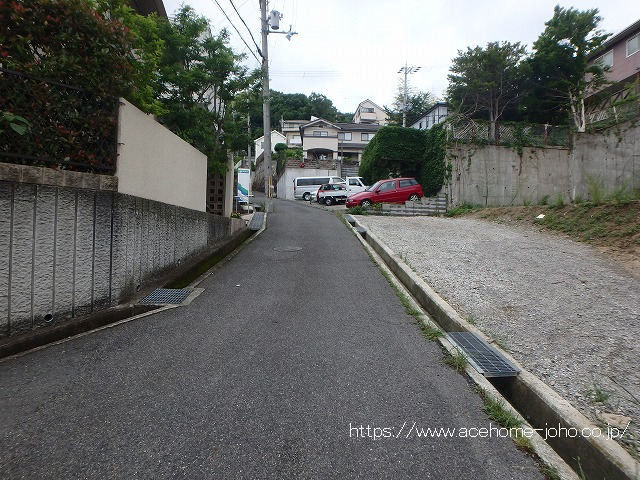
456 360
461 210
429 332
549 472
357 210
597 394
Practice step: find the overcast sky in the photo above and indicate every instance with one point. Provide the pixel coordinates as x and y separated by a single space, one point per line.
350 50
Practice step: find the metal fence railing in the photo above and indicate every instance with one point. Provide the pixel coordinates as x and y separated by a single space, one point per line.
509 134
68 128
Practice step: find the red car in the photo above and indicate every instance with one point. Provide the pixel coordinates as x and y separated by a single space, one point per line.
393 190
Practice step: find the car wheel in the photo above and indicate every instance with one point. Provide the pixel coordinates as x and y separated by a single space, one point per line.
366 203
414 197
328 201
306 196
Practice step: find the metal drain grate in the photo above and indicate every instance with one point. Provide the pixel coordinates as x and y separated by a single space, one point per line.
287 249
482 356
166 296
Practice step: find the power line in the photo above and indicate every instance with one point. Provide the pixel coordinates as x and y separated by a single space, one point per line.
248 29
239 34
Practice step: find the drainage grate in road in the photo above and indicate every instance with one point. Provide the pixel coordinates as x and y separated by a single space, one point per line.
166 296
482 356
287 249
256 221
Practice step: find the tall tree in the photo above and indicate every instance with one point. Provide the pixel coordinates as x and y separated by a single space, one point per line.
559 69
199 77
487 80
418 102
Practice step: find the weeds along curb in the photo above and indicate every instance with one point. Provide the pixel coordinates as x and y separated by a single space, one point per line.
118 315
542 406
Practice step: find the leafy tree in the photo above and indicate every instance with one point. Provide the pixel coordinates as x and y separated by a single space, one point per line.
559 69
100 45
199 76
486 80
418 102
393 151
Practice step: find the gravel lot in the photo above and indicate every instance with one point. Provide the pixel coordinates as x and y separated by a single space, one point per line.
568 314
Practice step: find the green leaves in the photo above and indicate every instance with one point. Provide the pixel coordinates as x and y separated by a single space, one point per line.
15 122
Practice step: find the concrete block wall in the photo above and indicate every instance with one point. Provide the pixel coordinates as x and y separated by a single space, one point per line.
495 175
67 252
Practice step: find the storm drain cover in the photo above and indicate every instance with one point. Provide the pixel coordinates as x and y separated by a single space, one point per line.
166 296
482 356
287 249
256 221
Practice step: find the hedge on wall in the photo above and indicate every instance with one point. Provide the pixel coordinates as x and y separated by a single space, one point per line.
393 152
434 168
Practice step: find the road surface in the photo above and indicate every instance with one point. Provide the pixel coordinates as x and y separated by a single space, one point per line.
291 364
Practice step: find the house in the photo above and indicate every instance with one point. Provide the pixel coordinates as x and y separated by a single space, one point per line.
291 130
433 116
276 137
621 54
371 113
324 140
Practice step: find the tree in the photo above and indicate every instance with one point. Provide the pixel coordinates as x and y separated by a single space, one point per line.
560 70
393 151
199 76
486 80
418 102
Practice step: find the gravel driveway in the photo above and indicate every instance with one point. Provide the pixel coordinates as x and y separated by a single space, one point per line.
569 315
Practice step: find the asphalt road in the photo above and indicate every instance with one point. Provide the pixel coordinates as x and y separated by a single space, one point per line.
270 373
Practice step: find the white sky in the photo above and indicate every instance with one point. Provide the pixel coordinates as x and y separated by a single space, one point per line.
350 50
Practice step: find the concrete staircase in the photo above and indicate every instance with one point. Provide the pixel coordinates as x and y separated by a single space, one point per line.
427 206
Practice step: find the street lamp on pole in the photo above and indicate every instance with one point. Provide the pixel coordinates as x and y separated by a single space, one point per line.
407 71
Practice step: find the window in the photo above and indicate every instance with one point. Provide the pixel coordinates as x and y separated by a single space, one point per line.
367 110
365 137
262 145
344 136
295 139
606 60
420 126
387 186
354 181
407 183
320 133
633 45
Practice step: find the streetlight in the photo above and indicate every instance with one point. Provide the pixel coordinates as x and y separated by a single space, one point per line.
407 70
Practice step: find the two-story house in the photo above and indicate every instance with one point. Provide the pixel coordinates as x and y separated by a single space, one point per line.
324 140
433 116
369 112
621 55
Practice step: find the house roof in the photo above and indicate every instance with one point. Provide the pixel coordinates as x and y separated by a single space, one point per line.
435 105
318 120
370 101
618 37
363 127
272 132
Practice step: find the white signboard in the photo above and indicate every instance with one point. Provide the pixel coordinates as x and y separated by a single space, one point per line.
244 182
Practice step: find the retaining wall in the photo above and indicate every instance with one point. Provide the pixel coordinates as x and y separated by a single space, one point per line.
67 251
496 175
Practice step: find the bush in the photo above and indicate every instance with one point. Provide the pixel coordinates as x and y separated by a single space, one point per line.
434 168
393 152
280 147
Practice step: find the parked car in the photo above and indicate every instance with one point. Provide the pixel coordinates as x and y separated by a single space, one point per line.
332 193
303 187
355 185
393 190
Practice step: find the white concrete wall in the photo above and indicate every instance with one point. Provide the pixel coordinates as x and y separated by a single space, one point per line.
285 183
276 137
156 164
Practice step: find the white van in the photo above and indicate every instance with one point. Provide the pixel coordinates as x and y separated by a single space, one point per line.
303 187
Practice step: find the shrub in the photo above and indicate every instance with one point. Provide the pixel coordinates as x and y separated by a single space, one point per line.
280 147
393 151
434 168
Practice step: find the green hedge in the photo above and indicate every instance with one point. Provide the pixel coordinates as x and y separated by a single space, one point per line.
406 152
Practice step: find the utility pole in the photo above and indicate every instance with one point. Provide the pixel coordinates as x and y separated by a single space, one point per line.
268 23
407 70
266 107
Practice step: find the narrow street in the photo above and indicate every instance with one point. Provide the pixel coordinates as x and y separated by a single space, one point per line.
269 373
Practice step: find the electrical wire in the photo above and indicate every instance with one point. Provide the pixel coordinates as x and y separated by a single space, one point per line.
238 32
248 29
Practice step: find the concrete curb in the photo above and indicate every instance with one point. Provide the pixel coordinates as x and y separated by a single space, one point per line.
542 405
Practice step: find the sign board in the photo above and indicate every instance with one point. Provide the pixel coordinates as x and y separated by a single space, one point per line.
244 182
